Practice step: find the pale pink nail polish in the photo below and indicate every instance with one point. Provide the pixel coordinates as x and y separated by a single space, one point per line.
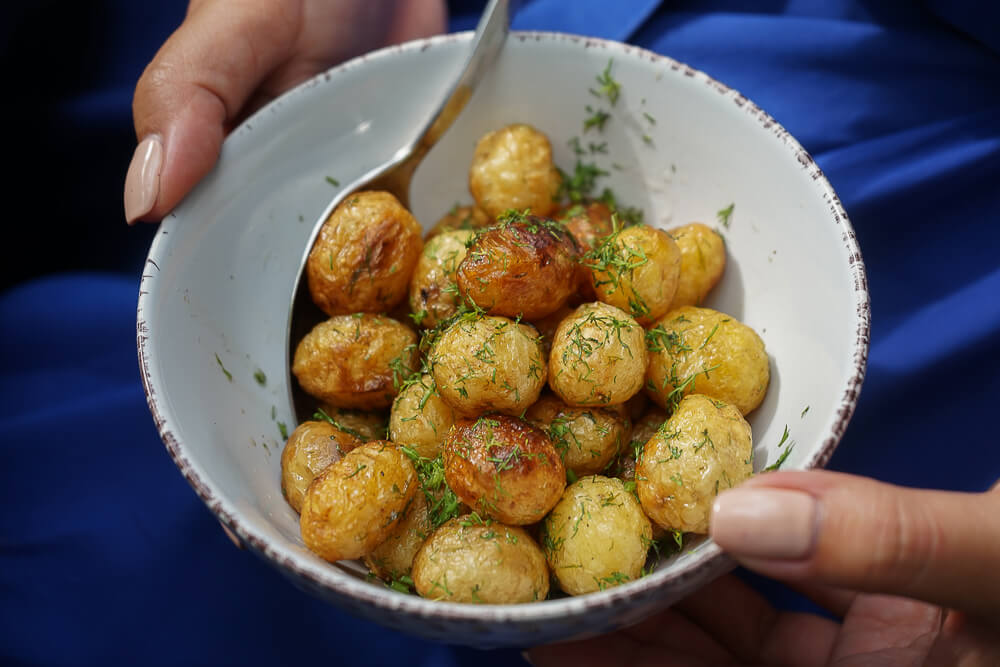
765 523
142 183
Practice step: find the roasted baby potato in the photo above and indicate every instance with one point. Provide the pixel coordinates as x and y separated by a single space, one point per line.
470 560
482 363
636 269
503 468
311 447
588 225
598 356
433 294
393 558
364 255
587 439
512 169
522 266
700 350
703 448
546 326
596 537
419 418
355 504
362 424
703 260
355 361
642 431
459 217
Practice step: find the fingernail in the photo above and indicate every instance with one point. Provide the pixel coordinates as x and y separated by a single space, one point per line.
765 523
142 183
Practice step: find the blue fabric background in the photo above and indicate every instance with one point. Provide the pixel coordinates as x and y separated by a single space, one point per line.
108 557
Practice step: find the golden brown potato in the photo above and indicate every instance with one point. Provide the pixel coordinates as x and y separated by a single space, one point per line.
596 537
588 225
512 169
644 429
393 558
703 448
598 356
433 292
503 468
364 255
546 326
482 363
355 504
419 418
703 259
522 266
700 350
311 447
636 269
469 560
355 361
362 424
587 439
459 217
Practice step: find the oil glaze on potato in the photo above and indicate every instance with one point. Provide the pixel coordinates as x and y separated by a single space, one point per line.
355 504
433 295
705 447
703 260
588 225
419 418
598 356
362 424
485 363
642 431
522 266
472 561
512 169
596 537
587 439
503 468
311 447
364 255
636 270
393 558
355 361
700 350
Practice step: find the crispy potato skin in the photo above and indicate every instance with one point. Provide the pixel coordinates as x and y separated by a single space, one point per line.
598 356
596 537
703 448
524 266
432 287
311 447
460 218
481 562
364 255
512 169
365 425
587 439
355 504
703 260
636 270
419 418
725 357
503 468
355 361
488 363
393 558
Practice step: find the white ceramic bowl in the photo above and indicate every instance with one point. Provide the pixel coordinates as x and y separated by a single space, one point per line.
212 309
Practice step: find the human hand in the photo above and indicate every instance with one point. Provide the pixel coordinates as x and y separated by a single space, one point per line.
912 575
228 58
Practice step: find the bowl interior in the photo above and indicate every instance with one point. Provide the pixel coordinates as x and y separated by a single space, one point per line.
213 308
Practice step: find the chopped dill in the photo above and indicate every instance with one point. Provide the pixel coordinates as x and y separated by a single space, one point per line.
725 215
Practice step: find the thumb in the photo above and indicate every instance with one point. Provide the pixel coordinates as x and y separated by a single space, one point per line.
851 532
198 82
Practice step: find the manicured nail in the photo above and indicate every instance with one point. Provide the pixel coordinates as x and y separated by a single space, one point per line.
142 183
765 523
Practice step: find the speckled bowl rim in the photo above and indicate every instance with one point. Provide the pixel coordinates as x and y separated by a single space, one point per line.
710 563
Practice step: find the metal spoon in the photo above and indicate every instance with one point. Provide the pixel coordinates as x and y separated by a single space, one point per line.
394 176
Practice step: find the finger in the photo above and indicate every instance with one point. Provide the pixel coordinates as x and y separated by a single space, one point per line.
200 79
835 600
674 633
749 627
614 650
855 533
